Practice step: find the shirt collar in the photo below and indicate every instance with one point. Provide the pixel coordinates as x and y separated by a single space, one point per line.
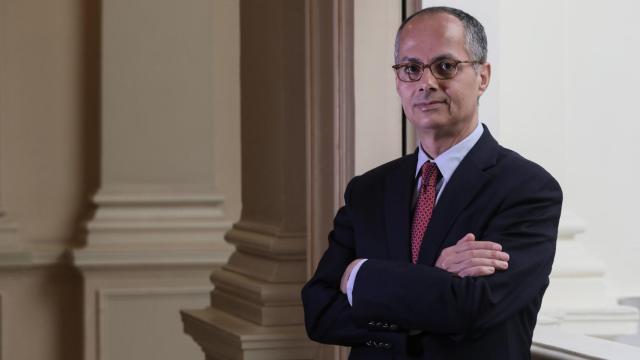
449 160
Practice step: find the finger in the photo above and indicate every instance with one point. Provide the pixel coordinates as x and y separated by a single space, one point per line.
467 238
497 264
477 245
485 254
448 252
461 257
471 263
477 271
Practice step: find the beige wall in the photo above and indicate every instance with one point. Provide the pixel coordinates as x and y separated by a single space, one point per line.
48 116
47 122
41 315
378 124
51 157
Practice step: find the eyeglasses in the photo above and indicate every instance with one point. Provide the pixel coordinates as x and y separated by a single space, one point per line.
442 69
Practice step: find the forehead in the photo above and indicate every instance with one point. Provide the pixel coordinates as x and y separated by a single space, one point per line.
433 35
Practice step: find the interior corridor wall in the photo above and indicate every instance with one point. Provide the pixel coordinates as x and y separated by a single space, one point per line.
50 167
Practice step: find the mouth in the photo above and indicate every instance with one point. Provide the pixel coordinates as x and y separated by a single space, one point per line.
429 105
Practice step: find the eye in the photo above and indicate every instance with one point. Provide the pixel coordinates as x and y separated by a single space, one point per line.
446 68
413 68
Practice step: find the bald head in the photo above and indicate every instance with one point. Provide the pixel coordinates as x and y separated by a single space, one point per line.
475 36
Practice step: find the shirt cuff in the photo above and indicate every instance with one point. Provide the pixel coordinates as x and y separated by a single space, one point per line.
352 280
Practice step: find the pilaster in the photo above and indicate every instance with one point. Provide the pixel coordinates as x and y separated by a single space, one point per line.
160 218
256 311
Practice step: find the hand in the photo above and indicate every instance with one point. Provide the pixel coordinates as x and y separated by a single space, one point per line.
469 257
345 276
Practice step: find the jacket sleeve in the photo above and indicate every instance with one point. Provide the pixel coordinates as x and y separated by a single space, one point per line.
328 315
432 300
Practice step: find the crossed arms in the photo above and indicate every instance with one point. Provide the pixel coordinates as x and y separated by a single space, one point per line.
467 257
460 295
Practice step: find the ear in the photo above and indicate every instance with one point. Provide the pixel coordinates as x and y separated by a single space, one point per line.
485 77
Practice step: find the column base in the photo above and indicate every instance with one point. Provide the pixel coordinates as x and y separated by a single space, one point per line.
604 322
147 256
225 337
577 296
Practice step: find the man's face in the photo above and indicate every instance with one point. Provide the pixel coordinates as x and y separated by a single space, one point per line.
445 107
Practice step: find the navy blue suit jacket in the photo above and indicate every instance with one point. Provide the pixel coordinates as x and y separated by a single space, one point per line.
406 311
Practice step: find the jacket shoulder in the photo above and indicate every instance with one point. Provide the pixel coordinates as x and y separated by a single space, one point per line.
372 180
511 163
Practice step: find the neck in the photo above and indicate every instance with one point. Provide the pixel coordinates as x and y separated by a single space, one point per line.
436 141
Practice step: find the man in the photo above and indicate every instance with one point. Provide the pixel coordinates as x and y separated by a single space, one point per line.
445 253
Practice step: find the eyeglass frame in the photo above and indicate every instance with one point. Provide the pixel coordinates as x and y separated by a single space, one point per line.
397 67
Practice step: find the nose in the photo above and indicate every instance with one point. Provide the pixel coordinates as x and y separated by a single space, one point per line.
428 82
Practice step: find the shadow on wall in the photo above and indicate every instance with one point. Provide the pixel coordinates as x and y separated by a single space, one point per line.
89 128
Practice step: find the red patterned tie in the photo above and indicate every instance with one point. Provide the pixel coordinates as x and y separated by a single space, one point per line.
424 207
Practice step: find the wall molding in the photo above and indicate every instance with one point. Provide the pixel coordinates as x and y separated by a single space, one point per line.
265 240
11 252
208 256
144 228
143 218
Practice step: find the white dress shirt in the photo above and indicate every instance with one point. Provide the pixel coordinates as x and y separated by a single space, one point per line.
447 163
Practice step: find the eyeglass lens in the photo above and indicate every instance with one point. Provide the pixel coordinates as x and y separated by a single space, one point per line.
443 69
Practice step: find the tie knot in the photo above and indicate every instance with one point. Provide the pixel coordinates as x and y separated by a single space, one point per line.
429 169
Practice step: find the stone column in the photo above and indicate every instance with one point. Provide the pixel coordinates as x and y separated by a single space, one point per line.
256 312
169 99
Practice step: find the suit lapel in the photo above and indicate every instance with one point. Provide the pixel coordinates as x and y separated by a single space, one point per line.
398 192
463 186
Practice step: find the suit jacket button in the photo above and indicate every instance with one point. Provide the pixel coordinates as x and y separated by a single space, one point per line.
372 323
385 325
393 327
386 346
379 324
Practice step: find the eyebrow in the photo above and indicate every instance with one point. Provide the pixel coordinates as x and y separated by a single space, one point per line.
437 58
